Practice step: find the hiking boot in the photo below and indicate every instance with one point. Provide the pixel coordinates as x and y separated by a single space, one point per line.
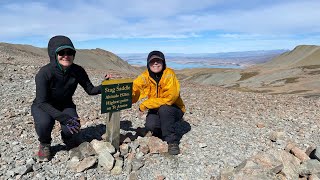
173 149
44 152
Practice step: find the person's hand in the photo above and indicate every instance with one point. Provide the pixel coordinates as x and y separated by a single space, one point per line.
107 76
73 125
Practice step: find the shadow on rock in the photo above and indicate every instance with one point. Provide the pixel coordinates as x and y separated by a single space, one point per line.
56 148
86 135
181 127
126 125
93 132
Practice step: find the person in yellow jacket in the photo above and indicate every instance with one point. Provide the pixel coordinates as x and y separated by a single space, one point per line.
161 88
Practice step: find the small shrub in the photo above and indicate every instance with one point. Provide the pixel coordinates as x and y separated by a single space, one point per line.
310 67
247 75
314 72
245 89
298 91
291 80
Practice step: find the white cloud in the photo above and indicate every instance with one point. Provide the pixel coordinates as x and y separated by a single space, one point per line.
158 19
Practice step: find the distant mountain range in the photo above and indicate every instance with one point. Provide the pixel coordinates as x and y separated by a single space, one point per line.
275 71
214 60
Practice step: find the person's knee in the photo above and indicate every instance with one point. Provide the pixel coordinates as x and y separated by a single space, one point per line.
44 126
164 109
152 121
71 112
150 125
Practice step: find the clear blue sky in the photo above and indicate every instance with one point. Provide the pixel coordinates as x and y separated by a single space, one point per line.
173 26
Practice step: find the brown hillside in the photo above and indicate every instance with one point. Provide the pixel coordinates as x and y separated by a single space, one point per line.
294 72
302 55
96 59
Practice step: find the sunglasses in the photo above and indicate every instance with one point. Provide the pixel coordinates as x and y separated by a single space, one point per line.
66 52
152 61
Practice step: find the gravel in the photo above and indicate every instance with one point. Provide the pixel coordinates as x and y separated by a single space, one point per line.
219 128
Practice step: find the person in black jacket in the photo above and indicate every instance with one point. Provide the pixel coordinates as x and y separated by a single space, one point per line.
56 83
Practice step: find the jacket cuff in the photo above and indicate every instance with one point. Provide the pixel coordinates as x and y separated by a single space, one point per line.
142 107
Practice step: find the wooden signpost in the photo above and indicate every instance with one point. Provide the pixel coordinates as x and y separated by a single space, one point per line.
116 95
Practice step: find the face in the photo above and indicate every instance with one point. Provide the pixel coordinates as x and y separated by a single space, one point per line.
65 57
156 65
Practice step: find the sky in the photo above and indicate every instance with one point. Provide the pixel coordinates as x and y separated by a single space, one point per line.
171 26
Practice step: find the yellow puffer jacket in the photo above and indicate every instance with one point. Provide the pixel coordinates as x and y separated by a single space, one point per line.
166 93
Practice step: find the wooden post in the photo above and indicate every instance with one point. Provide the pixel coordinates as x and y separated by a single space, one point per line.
113 128
115 95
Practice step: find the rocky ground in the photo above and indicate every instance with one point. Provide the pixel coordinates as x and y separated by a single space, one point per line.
223 130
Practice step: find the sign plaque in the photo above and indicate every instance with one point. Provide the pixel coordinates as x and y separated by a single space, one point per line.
116 95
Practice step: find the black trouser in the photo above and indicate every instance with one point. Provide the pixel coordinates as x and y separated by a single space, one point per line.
163 120
44 124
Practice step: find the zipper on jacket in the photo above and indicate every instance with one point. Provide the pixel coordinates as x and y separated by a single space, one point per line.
157 89
152 80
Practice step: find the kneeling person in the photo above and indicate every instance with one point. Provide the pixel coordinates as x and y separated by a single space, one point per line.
56 83
161 87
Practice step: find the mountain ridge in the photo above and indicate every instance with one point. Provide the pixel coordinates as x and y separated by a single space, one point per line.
90 58
293 72
296 71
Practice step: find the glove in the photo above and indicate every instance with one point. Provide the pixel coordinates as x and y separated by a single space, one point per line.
73 125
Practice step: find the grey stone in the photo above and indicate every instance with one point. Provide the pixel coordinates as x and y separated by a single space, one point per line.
133 176
86 163
139 155
275 135
10 173
106 160
134 145
202 145
30 161
102 146
22 170
16 149
86 149
75 152
73 163
117 169
137 164
291 164
124 149
36 167
309 167
314 177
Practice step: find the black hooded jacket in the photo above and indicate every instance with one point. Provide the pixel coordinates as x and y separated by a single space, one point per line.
55 87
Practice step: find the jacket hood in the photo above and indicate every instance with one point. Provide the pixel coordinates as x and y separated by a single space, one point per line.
56 44
158 55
